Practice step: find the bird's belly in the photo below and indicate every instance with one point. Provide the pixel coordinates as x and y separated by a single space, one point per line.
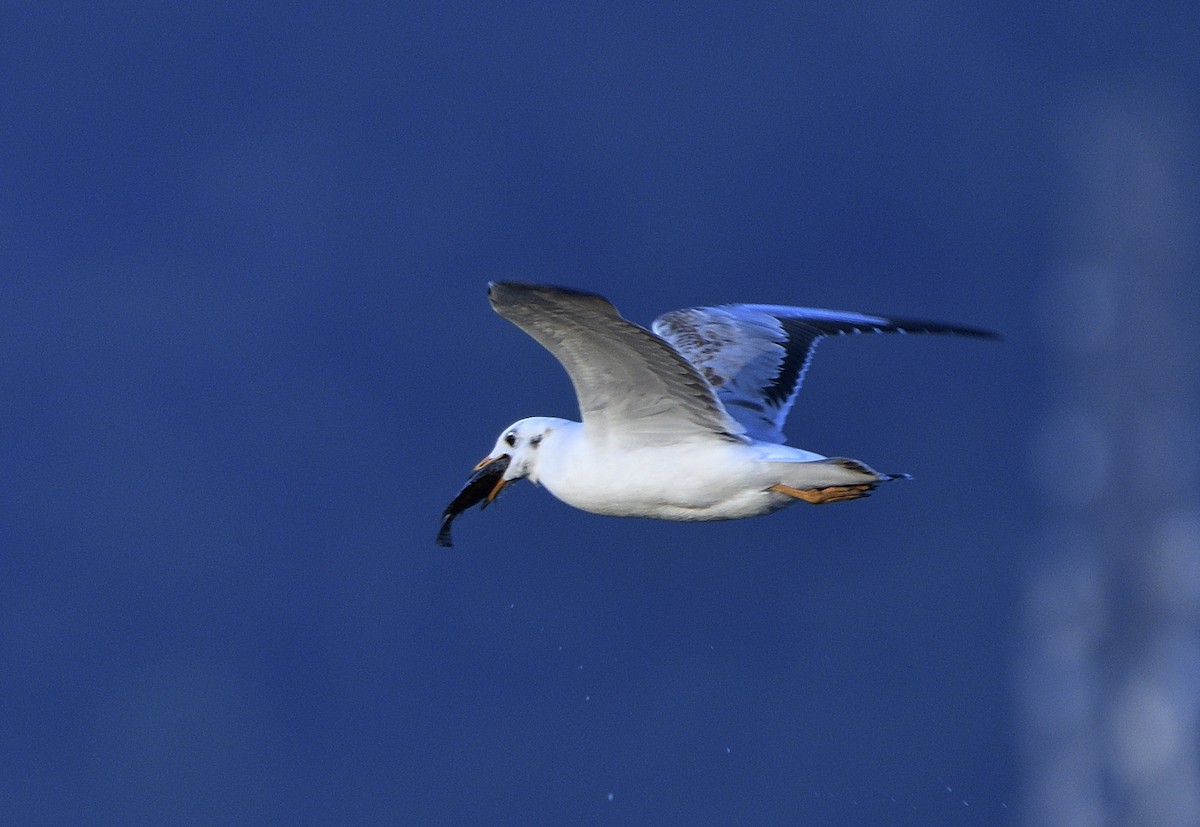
705 484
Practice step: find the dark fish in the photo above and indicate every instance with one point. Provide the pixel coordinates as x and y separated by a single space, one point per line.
482 483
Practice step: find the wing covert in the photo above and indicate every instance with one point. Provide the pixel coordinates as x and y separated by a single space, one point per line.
630 384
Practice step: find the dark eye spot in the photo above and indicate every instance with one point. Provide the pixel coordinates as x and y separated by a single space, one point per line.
536 441
511 439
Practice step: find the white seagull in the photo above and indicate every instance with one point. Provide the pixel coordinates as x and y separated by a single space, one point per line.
682 423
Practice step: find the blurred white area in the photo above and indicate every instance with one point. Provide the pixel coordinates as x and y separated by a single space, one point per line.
1109 679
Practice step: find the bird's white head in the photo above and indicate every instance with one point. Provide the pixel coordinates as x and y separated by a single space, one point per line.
524 442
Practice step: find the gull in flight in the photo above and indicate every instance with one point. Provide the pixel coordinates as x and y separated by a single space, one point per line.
680 422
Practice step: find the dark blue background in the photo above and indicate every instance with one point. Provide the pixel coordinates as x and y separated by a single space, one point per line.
247 359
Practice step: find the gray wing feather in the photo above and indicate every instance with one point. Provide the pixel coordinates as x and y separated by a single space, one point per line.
629 382
755 355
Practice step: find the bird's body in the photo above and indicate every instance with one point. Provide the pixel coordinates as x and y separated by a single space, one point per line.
702 478
685 422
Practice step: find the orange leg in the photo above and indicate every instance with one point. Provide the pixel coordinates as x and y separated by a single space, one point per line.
820 496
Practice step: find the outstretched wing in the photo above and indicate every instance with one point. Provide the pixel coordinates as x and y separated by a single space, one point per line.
631 385
755 355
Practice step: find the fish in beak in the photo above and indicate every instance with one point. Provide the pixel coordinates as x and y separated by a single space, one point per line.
485 485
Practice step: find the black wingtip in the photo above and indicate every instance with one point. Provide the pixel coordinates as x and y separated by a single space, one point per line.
917 326
978 333
443 537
